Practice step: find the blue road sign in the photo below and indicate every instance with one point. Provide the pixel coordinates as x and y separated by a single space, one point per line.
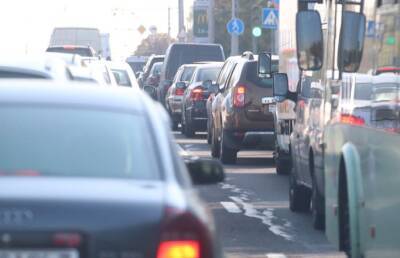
371 29
270 18
235 26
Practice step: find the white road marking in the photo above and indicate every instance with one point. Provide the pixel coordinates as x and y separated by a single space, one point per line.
231 207
271 255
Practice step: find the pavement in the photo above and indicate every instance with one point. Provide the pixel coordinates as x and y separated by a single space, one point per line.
251 209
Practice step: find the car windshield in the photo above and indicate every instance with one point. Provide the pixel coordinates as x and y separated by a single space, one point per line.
363 91
122 77
207 74
72 50
77 142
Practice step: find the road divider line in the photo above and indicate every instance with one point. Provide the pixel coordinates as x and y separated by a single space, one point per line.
231 207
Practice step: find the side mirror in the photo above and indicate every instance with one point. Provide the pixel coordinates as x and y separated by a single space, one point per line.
264 64
205 171
351 43
151 91
181 85
310 50
281 85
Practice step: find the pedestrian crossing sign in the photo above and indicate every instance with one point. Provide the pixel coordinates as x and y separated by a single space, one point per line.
270 18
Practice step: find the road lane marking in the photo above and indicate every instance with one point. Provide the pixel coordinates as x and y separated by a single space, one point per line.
272 255
231 207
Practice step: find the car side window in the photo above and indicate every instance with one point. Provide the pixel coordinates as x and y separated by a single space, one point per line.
178 76
235 76
223 75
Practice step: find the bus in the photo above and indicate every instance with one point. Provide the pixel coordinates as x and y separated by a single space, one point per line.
358 163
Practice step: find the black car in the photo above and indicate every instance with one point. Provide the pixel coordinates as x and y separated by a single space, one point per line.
194 109
179 54
94 172
148 67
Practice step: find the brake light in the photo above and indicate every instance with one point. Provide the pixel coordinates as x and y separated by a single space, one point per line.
67 239
196 94
179 92
183 236
69 47
179 249
239 96
352 120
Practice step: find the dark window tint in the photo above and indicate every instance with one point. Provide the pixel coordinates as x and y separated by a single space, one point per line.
363 91
150 64
75 143
207 74
253 77
78 50
181 54
187 74
136 66
122 77
156 70
21 75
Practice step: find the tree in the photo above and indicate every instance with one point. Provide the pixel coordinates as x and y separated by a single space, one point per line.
154 44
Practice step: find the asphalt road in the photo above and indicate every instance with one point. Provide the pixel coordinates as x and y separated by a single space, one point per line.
251 209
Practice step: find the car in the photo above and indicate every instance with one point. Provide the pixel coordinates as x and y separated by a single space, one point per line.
69 59
194 110
179 54
147 68
154 75
137 63
173 99
100 174
85 51
34 67
240 119
101 72
123 74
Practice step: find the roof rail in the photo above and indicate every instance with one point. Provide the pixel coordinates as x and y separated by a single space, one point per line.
248 54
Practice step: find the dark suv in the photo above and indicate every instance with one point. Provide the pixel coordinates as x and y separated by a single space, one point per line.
239 117
183 53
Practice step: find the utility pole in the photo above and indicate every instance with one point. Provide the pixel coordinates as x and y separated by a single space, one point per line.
234 38
211 21
169 22
181 15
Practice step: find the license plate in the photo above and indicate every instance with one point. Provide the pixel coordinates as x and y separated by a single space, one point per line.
39 253
267 100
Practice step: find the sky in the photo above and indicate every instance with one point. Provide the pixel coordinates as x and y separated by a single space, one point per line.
26 25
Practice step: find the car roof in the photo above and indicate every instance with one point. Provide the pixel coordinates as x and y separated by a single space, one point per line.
38 65
209 65
78 95
69 45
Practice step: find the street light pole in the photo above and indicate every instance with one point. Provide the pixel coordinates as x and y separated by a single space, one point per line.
211 21
181 21
234 37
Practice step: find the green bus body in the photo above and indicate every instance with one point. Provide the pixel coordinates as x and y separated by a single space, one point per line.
361 160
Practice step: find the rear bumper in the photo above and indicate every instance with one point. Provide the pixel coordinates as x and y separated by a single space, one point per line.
251 139
198 115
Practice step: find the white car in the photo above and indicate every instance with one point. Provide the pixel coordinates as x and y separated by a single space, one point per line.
123 74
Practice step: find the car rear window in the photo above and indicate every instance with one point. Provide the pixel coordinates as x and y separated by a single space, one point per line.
206 74
190 54
73 50
253 77
136 66
62 142
122 77
363 91
21 75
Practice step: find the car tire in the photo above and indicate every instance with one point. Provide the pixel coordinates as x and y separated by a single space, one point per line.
209 133
227 155
317 208
214 144
282 167
189 132
299 196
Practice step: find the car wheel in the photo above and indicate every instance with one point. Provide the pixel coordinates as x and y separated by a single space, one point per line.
214 144
189 132
182 124
227 154
282 167
317 208
209 133
299 196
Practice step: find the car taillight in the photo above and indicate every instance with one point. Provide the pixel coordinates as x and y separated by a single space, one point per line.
67 239
183 236
239 96
179 92
196 94
352 120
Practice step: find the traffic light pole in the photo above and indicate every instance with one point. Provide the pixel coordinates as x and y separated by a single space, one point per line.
211 21
234 38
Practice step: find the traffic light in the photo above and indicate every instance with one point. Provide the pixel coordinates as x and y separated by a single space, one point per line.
256 16
257 31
